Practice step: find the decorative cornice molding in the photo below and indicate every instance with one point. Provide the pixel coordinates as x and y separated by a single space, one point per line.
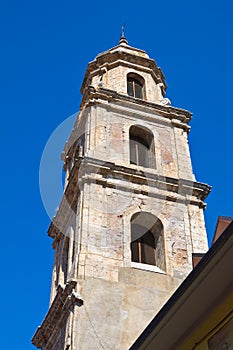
64 301
92 170
94 96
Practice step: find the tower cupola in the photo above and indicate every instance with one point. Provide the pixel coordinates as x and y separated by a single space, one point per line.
127 71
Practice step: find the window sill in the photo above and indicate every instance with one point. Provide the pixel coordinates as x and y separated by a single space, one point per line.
140 167
147 267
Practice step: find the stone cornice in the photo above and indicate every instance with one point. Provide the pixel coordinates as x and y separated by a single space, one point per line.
177 116
121 47
144 176
64 301
111 175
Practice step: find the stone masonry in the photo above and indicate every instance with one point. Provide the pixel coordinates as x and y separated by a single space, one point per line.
100 298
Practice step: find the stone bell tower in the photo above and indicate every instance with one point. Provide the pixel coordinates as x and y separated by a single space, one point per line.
131 217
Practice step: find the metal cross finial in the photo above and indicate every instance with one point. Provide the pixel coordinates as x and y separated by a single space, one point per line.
123 40
123 31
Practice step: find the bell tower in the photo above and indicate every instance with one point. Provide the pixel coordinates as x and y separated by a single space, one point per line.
131 216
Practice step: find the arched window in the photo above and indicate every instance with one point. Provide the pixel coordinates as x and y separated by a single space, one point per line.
135 85
147 240
141 147
64 262
79 151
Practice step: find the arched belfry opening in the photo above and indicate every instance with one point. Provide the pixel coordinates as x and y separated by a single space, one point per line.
147 240
142 149
135 85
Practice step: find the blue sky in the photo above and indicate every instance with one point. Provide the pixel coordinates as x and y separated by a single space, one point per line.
45 48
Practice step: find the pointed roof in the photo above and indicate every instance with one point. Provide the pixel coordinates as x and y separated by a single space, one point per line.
123 46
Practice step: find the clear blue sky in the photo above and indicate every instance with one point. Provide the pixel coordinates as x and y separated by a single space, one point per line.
45 48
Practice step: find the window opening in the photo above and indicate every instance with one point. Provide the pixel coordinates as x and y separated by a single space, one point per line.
134 88
147 240
143 249
141 147
64 263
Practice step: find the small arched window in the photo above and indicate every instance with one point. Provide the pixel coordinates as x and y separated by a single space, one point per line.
64 263
135 85
147 240
79 151
141 147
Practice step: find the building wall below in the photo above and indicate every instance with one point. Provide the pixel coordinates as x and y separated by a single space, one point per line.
114 314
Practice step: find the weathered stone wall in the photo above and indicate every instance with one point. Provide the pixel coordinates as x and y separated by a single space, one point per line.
120 297
114 313
109 133
106 232
116 79
197 229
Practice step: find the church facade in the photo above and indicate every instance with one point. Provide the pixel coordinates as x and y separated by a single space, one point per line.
131 217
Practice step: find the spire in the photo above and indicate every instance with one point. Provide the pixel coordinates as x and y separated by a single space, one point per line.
123 39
